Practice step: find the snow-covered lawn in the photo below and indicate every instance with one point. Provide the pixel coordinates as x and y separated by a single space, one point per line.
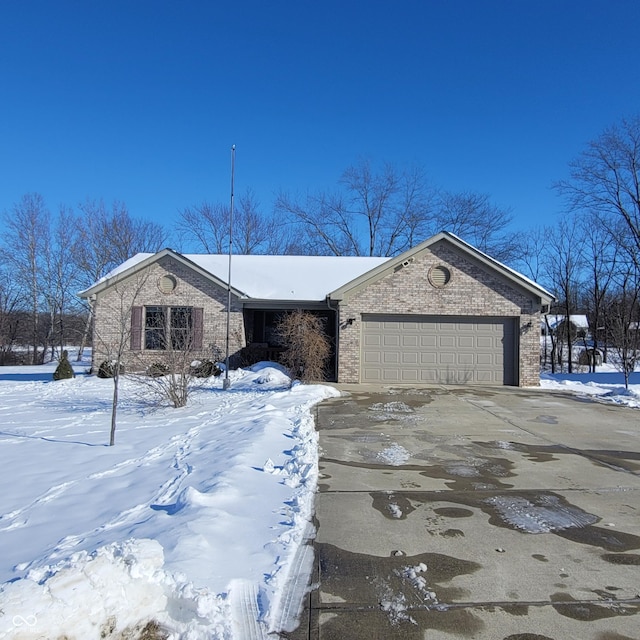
607 384
196 518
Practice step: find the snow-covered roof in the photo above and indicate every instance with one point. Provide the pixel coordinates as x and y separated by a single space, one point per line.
286 277
291 278
578 321
305 278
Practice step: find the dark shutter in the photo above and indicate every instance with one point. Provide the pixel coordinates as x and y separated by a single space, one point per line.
136 328
198 314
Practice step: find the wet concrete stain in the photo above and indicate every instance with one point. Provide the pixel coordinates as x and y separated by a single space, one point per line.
527 636
608 593
539 557
375 625
545 419
620 460
390 599
626 559
600 537
453 512
617 459
553 513
393 399
392 505
535 453
376 466
515 609
568 607
612 635
474 474
472 393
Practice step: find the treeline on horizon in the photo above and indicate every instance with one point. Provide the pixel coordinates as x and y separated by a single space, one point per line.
589 259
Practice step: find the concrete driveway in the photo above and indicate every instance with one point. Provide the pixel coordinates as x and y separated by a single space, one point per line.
503 514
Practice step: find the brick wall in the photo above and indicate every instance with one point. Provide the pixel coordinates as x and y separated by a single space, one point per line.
113 313
474 290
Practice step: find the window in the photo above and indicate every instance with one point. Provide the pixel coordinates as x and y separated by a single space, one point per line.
155 328
158 328
181 328
169 327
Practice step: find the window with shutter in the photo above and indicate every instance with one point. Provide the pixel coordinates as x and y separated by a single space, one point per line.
178 328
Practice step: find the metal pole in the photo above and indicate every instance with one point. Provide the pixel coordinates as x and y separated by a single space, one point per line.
227 383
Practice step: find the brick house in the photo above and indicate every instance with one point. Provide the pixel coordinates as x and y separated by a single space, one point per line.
442 312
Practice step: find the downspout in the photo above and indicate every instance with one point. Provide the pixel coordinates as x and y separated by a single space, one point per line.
336 310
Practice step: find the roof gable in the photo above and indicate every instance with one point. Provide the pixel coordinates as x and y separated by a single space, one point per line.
407 257
142 261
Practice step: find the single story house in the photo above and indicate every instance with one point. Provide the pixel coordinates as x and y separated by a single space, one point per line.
578 323
442 312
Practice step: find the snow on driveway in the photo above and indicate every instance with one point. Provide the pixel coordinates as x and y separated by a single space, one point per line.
189 504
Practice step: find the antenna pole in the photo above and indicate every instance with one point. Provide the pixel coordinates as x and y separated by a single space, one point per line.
227 383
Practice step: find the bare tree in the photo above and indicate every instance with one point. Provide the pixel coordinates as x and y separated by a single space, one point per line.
372 213
600 260
114 339
624 318
107 238
26 239
60 280
531 248
10 306
475 219
563 262
206 226
605 178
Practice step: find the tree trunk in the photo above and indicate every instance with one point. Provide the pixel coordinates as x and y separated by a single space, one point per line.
114 405
85 335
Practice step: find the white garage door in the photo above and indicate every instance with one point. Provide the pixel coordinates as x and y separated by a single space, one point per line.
438 349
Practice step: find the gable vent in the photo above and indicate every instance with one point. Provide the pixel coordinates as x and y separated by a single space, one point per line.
167 284
439 276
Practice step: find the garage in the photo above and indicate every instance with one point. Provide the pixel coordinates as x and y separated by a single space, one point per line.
438 349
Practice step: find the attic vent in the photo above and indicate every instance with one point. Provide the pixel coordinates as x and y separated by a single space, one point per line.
439 276
167 284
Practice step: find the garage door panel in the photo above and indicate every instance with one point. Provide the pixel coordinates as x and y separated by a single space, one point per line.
390 340
372 340
428 341
446 342
428 358
446 357
372 357
438 349
410 341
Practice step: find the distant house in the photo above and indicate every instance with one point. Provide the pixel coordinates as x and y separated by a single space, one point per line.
442 312
556 323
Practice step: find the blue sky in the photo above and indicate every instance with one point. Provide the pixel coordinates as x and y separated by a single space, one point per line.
141 101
